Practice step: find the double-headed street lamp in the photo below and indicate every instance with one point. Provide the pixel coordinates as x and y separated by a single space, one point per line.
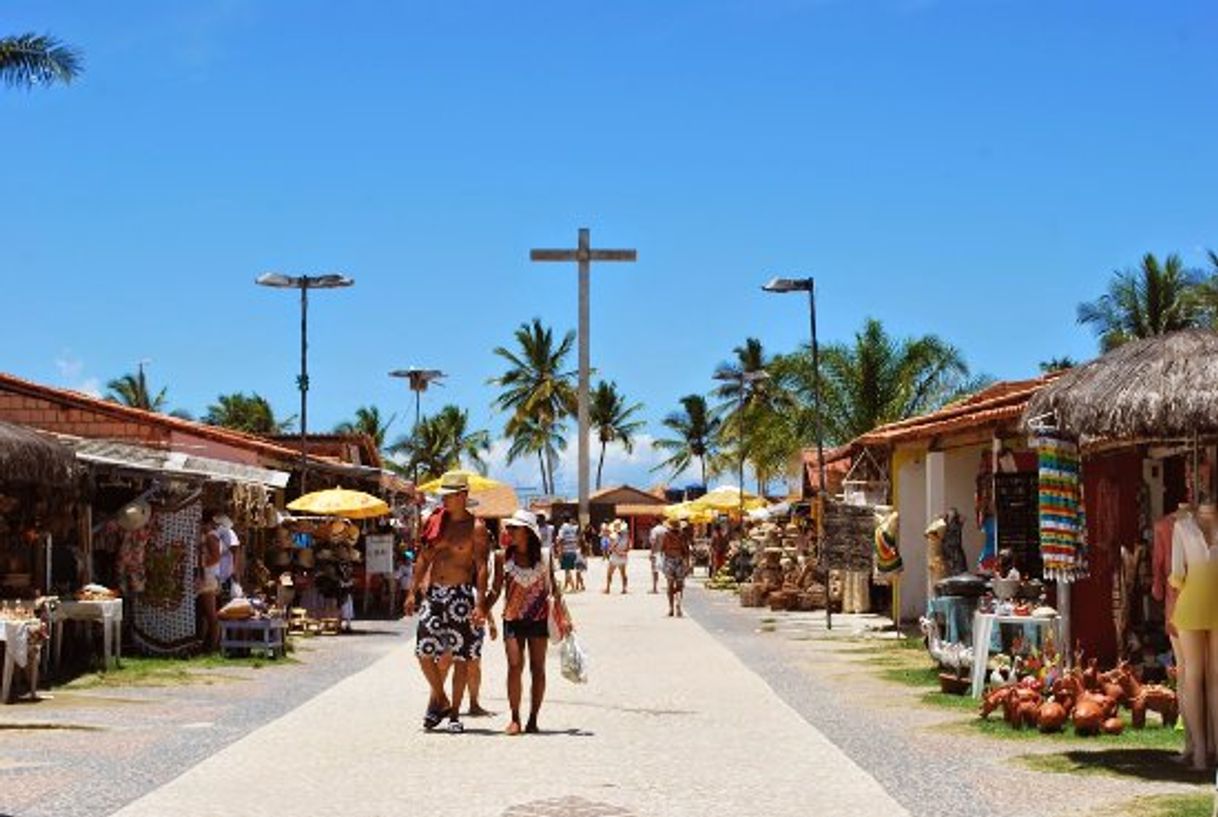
418 380
304 283
744 380
808 285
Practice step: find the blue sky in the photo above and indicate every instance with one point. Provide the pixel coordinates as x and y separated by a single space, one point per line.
972 169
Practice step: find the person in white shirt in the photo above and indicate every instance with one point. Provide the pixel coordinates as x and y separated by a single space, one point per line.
656 540
619 552
229 567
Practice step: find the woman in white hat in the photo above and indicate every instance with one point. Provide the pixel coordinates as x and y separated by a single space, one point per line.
619 553
529 589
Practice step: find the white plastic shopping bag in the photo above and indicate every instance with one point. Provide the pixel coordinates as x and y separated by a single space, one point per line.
574 660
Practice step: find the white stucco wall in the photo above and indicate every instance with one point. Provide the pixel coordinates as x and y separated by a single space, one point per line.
911 503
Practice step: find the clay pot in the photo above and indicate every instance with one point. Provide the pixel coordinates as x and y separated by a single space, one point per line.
1051 717
1088 717
1113 726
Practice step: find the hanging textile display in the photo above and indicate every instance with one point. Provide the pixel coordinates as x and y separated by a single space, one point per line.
165 611
1063 526
887 555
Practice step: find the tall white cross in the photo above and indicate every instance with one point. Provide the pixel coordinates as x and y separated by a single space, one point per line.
584 255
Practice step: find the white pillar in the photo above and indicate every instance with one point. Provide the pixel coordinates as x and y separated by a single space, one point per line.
936 499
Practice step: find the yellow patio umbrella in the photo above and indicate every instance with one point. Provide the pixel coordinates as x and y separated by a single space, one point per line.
477 482
726 499
340 502
688 512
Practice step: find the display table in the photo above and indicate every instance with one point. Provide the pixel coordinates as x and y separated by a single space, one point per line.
257 633
983 628
16 636
109 614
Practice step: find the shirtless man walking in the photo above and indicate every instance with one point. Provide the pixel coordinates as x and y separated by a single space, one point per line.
451 572
676 553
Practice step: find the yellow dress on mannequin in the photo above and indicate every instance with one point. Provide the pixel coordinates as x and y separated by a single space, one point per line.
1195 572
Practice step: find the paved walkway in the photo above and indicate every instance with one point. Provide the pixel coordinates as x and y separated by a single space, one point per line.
671 724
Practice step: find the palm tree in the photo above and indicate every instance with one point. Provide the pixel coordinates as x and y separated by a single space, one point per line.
877 379
443 442
367 421
1057 364
613 420
537 389
251 413
530 437
27 60
1153 300
132 390
696 429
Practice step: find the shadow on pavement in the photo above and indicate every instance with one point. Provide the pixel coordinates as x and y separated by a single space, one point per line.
1159 765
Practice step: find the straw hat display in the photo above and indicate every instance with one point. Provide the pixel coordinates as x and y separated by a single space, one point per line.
134 515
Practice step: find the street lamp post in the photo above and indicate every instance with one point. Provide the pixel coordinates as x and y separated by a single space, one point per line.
418 380
744 380
808 285
304 283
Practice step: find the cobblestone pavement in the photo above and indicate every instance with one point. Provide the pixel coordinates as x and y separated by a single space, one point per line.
918 753
671 723
91 752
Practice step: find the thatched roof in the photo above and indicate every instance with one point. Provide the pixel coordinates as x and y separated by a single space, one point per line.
1157 388
27 456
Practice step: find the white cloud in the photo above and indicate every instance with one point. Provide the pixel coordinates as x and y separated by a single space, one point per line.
72 374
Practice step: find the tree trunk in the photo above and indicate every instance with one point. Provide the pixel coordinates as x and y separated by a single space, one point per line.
600 466
702 459
541 460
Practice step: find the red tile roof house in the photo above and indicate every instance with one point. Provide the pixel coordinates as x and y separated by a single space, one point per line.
933 462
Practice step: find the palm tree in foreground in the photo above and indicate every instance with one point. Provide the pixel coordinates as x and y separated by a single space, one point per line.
250 413
613 420
27 60
367 421
1154 299
696 430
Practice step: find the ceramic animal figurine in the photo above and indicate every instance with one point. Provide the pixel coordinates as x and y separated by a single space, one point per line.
1112 726
1154 697
1088 716
1051 717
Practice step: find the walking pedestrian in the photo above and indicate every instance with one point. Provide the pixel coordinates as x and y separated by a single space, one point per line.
619 553
718 549
529 588
568 544
476 710
676 553
656 539
451 572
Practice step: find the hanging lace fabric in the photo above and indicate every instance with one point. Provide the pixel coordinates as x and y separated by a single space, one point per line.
1063 524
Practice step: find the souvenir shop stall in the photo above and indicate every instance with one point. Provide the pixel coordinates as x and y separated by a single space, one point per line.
1127 516
146 516
39 493
323 553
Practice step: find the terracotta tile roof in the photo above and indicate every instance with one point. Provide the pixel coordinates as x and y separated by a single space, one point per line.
74 399
495 503
841 452
992 406
638 509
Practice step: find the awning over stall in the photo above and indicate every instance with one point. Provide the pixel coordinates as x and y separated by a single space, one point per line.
175 463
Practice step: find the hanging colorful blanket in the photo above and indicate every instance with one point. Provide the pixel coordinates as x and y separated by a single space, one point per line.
1063 526
164 614
887 556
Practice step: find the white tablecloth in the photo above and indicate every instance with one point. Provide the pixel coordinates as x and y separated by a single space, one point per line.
16 635
107 613
983 628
